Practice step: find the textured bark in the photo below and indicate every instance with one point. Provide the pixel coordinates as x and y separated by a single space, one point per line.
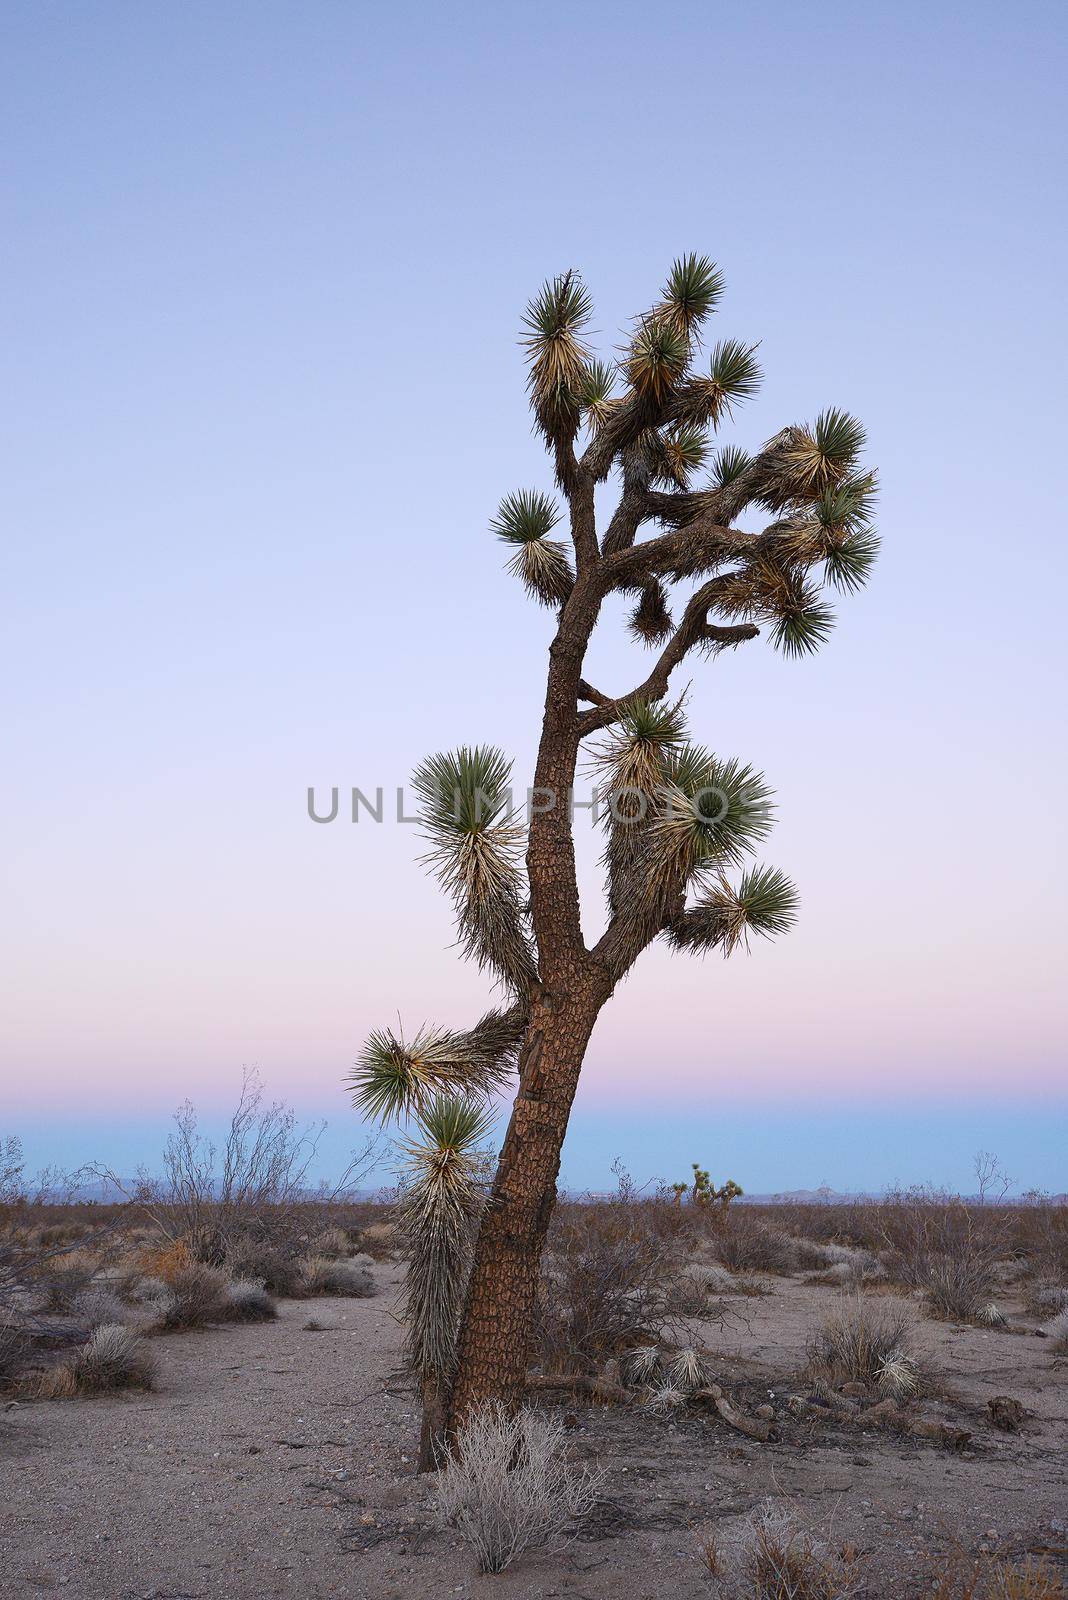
495 1336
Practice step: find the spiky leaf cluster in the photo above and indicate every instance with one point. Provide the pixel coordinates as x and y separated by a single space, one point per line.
556 355
763 902
525 520
441 1199
395 1079
476 852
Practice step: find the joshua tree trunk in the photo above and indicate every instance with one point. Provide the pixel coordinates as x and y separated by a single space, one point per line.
498 1319
497 1324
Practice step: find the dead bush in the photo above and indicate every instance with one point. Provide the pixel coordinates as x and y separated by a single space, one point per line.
17 1347
945 1248
779 1559
380 1240
609 1281
96 1306
248 1301
254 1187
333 1243
868 1344
337 1277
114 1357
279 1270
1045 1300
1057 1331
193 1297
510 1487
747 1244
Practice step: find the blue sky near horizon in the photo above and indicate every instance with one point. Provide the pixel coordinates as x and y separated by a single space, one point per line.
263 277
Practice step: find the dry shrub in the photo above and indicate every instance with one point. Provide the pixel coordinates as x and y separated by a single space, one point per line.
380 1240
96 1306
510 1487
1057 1331
970 1578
610 1280
865 1344
337 1277
114 1357
278 1269
947 1249
17 1346
248 1301
1045 1300
64 1278
748 1244
166 1261
781 1560
333 1243
194 1296
958 1287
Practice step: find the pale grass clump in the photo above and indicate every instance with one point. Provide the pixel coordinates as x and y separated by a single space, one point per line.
781 1560
114 1357
96 1307
510 1487
249 1301
991 1316
192 1297
1057 1331
321 1276
856 1345
897 1377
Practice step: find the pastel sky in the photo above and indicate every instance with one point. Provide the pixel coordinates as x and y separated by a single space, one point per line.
263 272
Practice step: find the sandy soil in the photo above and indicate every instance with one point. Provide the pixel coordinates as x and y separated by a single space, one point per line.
276 1461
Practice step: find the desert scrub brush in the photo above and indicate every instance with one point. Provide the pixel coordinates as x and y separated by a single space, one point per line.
687 1371
991 1316
897 1376
641 1365
115 1357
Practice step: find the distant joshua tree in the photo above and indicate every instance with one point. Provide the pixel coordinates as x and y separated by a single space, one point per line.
677 819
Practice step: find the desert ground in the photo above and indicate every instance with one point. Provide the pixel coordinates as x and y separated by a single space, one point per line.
277 1458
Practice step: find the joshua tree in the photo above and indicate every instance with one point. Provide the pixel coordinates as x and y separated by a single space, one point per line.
677 819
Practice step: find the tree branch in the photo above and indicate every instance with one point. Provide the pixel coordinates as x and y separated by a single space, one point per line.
693 629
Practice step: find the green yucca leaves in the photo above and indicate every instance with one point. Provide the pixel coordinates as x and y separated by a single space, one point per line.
595 392
765 902
394 1078
463 791
848 563
839 439
800 631
636 752
677 453
543 566
735 370
847 506
692 291
718 808
524 520
769 900
657 358
525 515
556 355
728 465
476 852
442 1195
818 458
